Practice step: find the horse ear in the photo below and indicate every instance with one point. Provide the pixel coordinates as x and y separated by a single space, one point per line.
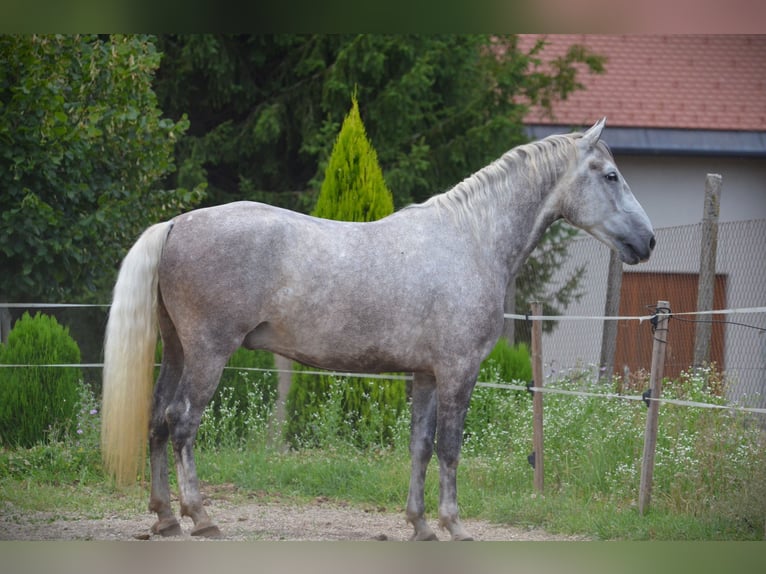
590 137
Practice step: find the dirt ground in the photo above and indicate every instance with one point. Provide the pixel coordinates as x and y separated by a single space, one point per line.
242 518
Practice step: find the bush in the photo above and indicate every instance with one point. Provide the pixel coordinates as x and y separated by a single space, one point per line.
323 409
38 400
242 401
365 412
489 407
507 363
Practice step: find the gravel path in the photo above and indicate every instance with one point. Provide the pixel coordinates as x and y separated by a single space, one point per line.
318 520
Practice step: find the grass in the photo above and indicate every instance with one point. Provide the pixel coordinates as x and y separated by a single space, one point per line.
708 480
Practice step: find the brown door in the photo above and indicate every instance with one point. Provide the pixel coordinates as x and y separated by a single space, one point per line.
640 291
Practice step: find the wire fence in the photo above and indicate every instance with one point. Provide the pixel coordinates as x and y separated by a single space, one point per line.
738 341
750 407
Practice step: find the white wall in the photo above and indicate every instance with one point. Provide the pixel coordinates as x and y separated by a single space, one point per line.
672 188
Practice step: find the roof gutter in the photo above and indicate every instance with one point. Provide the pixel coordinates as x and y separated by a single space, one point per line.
669 141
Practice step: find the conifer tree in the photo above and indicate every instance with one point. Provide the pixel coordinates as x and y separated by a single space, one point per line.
353 190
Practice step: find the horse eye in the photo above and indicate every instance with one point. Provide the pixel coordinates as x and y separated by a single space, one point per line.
611 176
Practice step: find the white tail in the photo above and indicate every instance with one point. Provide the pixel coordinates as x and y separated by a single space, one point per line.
129 346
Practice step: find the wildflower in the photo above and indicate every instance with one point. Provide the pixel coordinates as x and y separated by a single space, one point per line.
94 411
79 431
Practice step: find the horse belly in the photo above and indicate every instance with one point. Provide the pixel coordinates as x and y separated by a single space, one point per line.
342 341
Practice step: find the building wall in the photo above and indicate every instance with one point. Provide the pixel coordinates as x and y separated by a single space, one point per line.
672 188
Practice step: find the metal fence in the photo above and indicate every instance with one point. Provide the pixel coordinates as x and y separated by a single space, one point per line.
738 340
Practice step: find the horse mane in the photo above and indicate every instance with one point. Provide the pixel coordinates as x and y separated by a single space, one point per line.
529 168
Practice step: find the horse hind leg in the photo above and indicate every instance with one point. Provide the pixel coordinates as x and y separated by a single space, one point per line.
421 450
201 374
170 373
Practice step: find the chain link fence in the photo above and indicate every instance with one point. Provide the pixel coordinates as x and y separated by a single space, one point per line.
737 340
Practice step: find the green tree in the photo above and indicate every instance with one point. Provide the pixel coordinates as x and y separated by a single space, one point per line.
83 151
353 190
533 282
265 109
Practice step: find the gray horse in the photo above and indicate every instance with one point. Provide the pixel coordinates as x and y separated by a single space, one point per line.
419 291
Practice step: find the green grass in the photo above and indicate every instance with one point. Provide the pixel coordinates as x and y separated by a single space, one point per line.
708 480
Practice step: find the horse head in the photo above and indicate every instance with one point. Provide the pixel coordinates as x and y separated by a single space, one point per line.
597 199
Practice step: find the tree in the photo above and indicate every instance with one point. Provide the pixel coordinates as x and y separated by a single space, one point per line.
83 149
533 282
264 110
353 190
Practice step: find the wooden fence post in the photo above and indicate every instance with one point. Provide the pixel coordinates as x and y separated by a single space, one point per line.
611 309
536 308
660 334
706 278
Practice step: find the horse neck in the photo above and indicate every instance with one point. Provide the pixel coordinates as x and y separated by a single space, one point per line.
510 204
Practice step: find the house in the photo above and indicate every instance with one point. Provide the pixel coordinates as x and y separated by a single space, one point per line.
677 108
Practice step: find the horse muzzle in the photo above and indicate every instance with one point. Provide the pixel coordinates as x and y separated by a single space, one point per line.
633 252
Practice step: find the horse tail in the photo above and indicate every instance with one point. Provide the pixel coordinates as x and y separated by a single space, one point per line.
129 348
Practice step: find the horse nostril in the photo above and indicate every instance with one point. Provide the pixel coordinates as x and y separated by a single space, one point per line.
652 242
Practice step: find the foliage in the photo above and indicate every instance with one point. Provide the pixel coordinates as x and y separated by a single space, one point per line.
533 282
82 143
436 107
58 457
242 402
323 410
353 190
35 401
507 363
705 464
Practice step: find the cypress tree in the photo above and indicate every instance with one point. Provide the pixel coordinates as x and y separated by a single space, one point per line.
353 190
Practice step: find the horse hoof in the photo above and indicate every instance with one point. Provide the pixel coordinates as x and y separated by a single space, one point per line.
424 537
463 538
167 529
206 531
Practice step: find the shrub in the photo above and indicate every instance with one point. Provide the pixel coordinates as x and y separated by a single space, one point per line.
490 407
243 395
508 363
324 409
37 400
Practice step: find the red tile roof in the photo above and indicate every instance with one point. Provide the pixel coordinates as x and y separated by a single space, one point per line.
664 81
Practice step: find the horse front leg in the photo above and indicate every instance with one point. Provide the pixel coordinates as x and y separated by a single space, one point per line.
452 408
421 449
